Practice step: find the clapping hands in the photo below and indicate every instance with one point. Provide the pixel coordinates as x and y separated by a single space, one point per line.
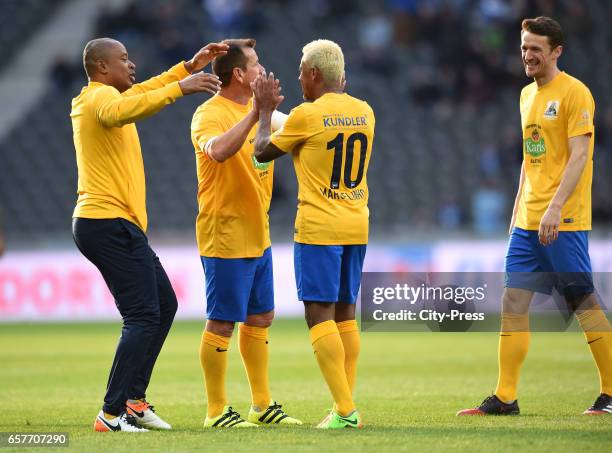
266 90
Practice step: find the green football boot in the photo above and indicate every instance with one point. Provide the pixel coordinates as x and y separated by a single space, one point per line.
335 421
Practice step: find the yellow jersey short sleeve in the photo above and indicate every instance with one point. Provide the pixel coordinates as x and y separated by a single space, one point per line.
331 143
294 131
234 195
580 114
205 125
550 115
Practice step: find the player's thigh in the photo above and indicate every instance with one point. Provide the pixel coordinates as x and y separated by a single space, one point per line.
261 299
317 272
318 312
569 256
228 287
165 293
344 311
120 251
523 265
350 272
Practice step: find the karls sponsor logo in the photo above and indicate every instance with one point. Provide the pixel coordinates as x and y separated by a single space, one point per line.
534 145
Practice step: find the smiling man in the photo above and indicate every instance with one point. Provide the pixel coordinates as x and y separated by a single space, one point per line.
110 218
548 247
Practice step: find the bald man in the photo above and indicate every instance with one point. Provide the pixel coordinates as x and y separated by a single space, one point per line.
110 218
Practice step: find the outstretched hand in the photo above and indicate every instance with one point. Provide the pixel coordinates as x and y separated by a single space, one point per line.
205 55
200 82
266 90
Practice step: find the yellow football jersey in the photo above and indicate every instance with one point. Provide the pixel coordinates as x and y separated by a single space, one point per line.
550 115
331 143
109 160
234 195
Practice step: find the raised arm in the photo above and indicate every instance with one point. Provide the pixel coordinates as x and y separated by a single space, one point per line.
174 74
268 97
114 110
181 70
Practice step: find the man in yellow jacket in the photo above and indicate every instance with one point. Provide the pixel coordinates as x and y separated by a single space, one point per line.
110 218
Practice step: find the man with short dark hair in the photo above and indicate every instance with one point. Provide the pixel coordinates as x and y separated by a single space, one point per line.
110 218
548 246
234 192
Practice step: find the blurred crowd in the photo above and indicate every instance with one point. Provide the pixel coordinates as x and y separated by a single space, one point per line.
470 48
466 51
449 55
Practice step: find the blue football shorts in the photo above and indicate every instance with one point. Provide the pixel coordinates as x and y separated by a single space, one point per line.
564 265
238 287
328 273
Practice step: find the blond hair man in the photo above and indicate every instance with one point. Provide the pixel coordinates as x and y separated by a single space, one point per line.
330 138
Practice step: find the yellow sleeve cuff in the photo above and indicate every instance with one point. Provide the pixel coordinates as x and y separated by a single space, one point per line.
582 131
275 143
173 90
179 70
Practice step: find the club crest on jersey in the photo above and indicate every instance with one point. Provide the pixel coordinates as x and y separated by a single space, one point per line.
534 145
552 110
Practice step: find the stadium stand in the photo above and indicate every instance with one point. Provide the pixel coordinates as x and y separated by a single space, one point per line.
18 20
442 76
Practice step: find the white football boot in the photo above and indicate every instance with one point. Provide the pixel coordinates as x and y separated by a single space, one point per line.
124 422
145 415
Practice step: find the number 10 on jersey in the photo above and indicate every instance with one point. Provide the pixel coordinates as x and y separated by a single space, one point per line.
339 148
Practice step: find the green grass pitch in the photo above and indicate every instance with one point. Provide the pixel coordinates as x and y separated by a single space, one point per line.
410 385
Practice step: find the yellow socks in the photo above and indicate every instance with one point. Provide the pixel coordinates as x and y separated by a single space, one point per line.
253 344
513 347
349 334
598 333
514 344
213 358
329 351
